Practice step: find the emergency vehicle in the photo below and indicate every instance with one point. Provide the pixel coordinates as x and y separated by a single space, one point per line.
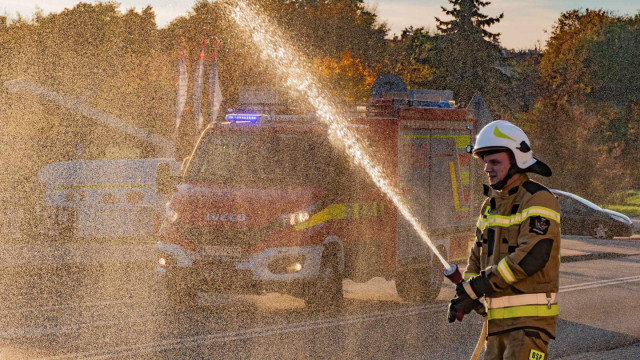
103 198
270 203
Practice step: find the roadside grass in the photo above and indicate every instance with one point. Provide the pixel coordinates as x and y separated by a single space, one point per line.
627 202
630 211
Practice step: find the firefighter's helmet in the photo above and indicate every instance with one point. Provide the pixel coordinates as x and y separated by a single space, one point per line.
502 135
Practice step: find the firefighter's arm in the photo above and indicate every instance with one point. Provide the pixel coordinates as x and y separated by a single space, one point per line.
473 263
539 228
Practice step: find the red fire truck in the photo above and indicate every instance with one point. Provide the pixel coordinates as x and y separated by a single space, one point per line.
271 203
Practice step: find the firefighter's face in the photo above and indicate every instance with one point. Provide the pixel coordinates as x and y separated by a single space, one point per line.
496 166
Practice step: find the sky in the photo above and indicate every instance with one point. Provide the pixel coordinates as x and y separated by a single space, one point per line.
523 26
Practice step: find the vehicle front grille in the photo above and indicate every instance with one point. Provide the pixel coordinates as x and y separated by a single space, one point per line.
220 236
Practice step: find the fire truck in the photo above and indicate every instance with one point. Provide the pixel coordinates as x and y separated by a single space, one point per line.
272 204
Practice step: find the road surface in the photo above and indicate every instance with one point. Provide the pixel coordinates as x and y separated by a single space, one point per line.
100 309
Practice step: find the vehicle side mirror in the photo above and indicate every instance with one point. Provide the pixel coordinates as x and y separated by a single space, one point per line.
164 181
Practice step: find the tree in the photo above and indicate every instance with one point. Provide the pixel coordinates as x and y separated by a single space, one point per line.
467 57
346 77
320 30
409 57
586 119
522 68
98 55
563 69
612 61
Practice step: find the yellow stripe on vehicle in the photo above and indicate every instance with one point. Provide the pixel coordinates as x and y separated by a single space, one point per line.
351 211
102 186
522 311
461 140
454 185
417 136
464 177
506 272
331 212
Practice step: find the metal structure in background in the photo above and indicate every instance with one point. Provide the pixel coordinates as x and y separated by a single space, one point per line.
165 146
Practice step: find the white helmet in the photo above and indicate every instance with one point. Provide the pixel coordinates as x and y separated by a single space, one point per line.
503 135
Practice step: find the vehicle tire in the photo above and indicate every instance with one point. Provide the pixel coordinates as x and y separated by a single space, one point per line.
420 284
181 294
601 232
326 292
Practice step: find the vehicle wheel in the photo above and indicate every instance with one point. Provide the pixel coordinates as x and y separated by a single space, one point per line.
420 284
181 294
326 291
601 232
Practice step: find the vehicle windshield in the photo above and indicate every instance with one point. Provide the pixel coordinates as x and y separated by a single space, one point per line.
242 159
572 198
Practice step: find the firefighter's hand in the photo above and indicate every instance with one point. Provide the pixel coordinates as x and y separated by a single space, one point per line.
481 285
465 305
465 301
460 303
479 308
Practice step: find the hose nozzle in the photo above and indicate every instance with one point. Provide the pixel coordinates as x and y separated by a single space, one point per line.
453 274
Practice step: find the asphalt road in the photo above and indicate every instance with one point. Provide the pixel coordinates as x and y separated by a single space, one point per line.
108 311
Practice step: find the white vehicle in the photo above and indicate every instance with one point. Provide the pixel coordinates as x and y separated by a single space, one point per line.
582 217
103 198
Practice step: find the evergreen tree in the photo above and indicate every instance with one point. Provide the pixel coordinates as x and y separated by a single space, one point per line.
467 56
409 57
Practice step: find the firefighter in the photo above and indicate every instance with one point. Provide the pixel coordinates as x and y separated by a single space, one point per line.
514 263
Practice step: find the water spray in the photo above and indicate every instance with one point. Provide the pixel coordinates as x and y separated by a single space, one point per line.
273 48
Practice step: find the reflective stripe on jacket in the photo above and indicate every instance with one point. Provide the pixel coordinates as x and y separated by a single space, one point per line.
522 306
518 246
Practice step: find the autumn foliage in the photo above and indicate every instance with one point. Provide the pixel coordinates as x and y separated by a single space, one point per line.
578 98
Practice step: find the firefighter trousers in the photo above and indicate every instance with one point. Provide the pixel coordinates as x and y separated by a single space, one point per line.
517 345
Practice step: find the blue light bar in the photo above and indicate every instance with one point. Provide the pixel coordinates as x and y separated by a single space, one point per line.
243 118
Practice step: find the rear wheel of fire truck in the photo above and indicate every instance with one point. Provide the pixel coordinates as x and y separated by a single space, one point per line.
326 291
180 294
421 284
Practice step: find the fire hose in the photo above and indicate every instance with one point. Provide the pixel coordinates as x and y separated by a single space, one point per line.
454 275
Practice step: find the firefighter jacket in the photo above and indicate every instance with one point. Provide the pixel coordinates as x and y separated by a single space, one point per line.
518 247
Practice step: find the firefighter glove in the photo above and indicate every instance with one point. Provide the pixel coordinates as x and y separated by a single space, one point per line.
463 303
480 285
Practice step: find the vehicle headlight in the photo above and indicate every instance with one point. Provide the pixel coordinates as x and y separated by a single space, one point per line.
295 218
170 214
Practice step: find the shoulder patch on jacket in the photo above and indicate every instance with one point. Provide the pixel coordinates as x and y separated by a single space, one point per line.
533 187
539 225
